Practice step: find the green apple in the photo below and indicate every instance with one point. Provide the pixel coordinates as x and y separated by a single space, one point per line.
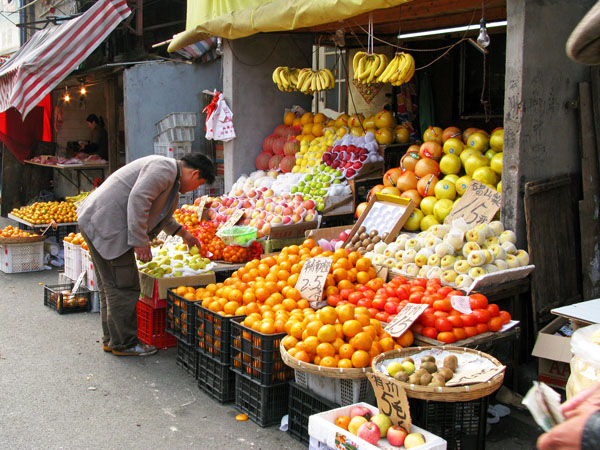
450 164
444 189
355 424
383 422
414 220
178 256
178 273
474 162
442 208
499 187
427 204
485 175
194 250
414 440
409 367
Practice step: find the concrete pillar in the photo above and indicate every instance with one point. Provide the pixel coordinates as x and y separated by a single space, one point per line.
257 105
541 134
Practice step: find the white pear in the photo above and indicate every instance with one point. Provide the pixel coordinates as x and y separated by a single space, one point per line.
409 255
435 272
389 262
508 236
423 271
509 247
463 281
399 265
477 272
391 250
377 259
489 256
401 240
476 258
491 240
462 266
432 242
490 268
500 264
512 261
470 247
475 235
447 262
485 228
413 244
523 257
455 240
443 248
411 269
497 251
434 260
496 227
380 247
449 276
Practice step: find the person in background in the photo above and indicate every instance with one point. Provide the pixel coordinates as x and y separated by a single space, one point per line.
98 143
119 219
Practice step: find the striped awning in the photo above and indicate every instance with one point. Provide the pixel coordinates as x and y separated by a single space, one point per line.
53 53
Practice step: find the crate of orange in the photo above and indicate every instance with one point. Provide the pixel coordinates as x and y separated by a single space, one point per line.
180 313
256 355
213 330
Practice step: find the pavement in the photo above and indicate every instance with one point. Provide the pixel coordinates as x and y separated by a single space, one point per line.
60 390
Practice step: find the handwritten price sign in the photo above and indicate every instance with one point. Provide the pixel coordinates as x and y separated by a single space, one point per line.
312 278
235 217
475 376
405 319
201 206
391 400
478 205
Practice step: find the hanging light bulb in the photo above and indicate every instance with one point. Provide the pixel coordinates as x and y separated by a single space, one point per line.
83 90
483 39
67 97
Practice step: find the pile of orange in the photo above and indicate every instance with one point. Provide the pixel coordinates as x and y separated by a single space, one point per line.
46 212
10 231
75 239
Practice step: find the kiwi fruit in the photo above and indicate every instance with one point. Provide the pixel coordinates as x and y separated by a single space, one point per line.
421 372
426 379
370 247
446 372
409 360
362 229
384 236
401 376
365 242
373 233
438 375
437 382
361 250
427 358
375 239
451 362
355 239
363 236
414 378
429 366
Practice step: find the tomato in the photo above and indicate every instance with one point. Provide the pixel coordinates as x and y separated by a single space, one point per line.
442 324
427 319
455 292
442 305
390 307
403 292
333 299
368 293
378 303
415 297
400 307
469 320
354 297
456 321
390 291
454 312
418 282
433 282
430 332
365 302
443 291
493 309
459 333
427 300
478 301
471 331
382 316
429 310
399 279
481 327
440 314
345 293
481 315
417 328
446 337
495 324
505 316
414 289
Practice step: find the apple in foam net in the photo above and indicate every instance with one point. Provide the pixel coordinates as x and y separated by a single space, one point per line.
369 432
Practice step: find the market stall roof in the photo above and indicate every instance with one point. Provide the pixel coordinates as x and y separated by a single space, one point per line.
233 19
51 54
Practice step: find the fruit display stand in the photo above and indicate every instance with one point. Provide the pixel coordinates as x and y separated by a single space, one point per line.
457 413
325 435
56 232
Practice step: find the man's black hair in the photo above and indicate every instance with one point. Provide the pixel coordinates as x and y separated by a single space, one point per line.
201 163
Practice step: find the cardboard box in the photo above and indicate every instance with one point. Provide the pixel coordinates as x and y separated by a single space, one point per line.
327 233
156 288
554 354
396 210
581 314
322 428
338 205
290 231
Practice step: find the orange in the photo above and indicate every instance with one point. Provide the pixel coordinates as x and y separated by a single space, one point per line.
231 307
313 327
327 315
261 294
338 343
181 290
293 294
387 344
269 260
362 341
328 361
311 343
353 257
363 264
407 339
288 326
325 349
345 284
340 253
345 312
364 319
288 118
375 349
340 274
303 303
345 363
351 328
267 327
327 333
302 356
307 118
362 277
371 330
309 243
292 351
345 351
319 118
296 330
289 304
316 251
360 358
331 290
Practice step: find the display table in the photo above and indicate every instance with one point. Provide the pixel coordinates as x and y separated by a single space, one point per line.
80 169
58 230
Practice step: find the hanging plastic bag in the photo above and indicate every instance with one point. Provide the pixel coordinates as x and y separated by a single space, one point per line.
585 364
219 121
209 124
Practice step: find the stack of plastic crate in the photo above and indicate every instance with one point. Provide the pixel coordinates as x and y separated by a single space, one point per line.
175 134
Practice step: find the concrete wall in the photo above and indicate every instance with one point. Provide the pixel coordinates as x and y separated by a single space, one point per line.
541 134
257 105
153 90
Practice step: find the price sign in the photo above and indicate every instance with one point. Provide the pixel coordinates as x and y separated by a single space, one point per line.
201 206
77 284
475 376
461 304
233 219
381 272
405 318
479 204
391 399
312 278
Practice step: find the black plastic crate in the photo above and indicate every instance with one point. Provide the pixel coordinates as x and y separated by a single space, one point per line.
461 424
52 235
264 405
257 355
180 317
213 333
56 297
302 404
215 378
187 358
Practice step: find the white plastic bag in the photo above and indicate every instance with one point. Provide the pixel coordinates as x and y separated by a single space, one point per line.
219 120
585 364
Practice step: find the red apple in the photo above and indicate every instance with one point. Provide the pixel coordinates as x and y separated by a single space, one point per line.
360 411
369 432
396 435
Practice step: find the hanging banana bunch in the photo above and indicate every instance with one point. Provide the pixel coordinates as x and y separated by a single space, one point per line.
368 67
400 70
304 80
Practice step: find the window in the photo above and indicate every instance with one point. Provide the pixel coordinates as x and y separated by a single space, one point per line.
331 102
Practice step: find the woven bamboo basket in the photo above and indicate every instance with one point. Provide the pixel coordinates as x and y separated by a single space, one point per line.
444 394
331 372
22 240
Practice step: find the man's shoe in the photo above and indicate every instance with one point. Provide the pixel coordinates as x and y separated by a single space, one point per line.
106 348
138 350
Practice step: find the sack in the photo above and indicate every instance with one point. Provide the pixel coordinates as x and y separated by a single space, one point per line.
219 121
585 364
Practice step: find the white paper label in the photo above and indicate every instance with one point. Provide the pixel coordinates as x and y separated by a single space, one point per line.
461 304
77 284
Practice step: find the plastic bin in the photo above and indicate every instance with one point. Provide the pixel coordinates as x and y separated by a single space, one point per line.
213 334
461 424
26 257
337 390
187 358
180 318
303 404
215 378
152 326
177 119
73 260
90 273
257 356
56 298
173 150
240 235
264 405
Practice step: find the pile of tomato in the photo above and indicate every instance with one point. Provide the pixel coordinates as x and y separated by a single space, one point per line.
440 320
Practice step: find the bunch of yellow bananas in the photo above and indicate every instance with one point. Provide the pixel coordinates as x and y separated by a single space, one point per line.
285 78
304 80
400 70
78 199
367 68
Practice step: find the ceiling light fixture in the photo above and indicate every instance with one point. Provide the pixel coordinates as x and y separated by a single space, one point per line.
501 23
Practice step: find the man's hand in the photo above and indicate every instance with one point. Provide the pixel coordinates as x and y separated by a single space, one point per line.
189 238
143 253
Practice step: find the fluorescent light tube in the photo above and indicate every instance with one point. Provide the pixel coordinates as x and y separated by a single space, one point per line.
473 27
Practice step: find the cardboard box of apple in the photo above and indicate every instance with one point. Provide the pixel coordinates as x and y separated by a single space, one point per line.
435 174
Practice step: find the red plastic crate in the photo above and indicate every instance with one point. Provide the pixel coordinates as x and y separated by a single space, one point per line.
152 324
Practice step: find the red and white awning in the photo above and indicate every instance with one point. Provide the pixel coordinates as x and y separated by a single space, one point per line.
52 54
